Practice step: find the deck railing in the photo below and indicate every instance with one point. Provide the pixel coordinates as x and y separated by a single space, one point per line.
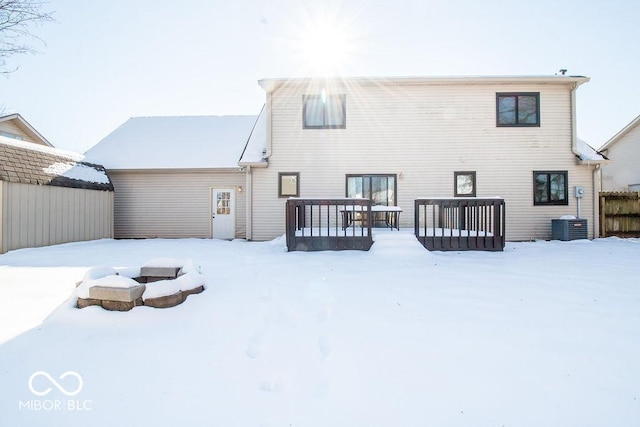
460 224
328 224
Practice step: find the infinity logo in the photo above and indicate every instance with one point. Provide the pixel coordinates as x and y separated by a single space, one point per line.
55 383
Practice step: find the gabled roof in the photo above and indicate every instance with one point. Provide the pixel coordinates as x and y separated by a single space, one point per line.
182 142
29 163
628 128
26 128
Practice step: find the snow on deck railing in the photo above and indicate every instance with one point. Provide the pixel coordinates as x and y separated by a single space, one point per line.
447 224
328 224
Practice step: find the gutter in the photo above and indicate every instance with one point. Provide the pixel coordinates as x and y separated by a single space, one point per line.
597 184
248 214
596 171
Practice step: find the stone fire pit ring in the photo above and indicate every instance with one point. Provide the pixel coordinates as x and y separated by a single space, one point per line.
159 283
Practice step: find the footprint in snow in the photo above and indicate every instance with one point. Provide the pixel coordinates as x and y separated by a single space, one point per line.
324 344
256 344
324 315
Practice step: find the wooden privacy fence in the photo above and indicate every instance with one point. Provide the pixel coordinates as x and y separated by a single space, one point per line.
620 214
328 224
460 224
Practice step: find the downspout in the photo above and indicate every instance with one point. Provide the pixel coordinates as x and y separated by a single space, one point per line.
597 184
268 105
249 203
574 132
574 150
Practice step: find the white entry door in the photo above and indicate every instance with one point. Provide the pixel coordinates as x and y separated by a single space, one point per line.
223 213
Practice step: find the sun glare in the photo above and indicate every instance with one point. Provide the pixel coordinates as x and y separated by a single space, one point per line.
326 49
323 38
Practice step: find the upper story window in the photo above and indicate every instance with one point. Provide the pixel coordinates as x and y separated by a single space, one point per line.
550 188
518 109
324 111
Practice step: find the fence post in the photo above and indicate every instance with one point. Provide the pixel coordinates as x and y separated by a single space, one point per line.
602 206
290 223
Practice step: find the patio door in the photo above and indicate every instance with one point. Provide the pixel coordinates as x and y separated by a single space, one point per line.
381 189
223 213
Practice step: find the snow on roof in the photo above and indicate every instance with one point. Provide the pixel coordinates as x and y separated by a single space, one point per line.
181 142
587 152
31 163
256 146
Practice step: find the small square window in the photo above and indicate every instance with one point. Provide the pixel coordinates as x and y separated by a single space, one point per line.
550 188
464 184
518 109
288 184
324 111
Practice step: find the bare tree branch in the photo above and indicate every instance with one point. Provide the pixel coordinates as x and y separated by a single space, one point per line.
17 18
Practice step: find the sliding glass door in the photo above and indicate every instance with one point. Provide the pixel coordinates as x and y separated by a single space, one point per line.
381 189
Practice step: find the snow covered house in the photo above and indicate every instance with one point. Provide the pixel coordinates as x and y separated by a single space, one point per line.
177 177
48 196
623 149
396 140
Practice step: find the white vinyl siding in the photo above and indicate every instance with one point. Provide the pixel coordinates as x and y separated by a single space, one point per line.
172 203
423 133
42 215
624 169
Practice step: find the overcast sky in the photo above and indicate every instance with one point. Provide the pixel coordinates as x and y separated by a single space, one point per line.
107 61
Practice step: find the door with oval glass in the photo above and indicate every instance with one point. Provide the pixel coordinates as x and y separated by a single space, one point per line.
223 213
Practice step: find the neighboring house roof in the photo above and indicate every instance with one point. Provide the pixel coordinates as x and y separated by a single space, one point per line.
26 128
628 128
588 153
187 142
254 151
29 163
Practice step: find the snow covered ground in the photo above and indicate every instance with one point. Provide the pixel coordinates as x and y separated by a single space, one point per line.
542 334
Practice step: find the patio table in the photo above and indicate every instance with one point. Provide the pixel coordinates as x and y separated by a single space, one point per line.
391 215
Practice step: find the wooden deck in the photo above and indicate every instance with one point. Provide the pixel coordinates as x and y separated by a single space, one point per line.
460 224
453 224
321 224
